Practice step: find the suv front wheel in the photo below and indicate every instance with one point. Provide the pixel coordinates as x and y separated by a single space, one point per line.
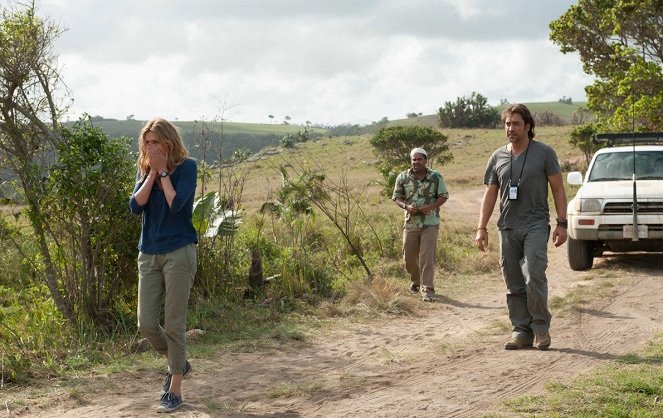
580 254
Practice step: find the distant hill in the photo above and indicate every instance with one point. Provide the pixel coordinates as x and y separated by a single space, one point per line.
131 128
256 136
236 135
563 110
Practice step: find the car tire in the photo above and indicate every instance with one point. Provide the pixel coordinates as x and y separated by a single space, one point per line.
579 254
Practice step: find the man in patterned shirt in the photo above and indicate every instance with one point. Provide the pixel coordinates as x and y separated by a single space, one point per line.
420 192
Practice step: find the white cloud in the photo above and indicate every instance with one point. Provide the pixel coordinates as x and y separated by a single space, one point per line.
342 61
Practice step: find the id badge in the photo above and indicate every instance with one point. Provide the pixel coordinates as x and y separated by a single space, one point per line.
513 193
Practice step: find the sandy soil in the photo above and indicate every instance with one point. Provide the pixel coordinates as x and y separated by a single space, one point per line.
447 362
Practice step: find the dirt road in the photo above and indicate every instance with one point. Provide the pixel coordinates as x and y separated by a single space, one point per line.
447 363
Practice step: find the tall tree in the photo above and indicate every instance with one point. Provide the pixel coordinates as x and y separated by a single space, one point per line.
30 111
581 138
468 112
620 43
393 144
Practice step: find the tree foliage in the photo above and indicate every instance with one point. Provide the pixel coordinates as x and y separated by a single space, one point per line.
393 144
212 218
620 43
74 183
548 118
30 112
84 202
468 112
581 138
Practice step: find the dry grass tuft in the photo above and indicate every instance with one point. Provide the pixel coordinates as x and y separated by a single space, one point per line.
378 296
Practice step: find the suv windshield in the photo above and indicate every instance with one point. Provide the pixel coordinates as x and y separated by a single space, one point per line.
619 166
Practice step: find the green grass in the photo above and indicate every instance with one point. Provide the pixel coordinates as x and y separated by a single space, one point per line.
354 157
603 287
252 325
288 390
631 388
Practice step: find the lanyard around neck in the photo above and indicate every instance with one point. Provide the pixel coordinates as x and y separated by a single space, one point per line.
521 168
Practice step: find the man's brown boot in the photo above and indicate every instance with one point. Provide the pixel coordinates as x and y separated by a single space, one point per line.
516 343
542 340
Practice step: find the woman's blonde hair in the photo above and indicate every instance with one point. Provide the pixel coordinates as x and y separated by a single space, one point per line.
169 135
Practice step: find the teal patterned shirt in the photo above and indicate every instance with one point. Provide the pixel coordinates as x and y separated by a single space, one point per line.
420 192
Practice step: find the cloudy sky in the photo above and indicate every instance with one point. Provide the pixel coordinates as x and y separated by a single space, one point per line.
323 61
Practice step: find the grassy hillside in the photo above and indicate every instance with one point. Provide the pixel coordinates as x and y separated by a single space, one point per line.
256 137
236 135
354 158
131 128
565 111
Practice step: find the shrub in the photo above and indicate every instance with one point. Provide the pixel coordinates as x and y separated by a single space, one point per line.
393 144
548 118
86 200
468 112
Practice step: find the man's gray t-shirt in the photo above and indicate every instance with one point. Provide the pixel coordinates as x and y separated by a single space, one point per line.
531 207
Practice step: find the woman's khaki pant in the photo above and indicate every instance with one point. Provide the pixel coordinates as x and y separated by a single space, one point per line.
166 280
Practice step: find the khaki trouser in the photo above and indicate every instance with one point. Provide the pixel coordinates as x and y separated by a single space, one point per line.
419 246
524 259
166 280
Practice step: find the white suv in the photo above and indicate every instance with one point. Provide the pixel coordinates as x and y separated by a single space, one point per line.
601 216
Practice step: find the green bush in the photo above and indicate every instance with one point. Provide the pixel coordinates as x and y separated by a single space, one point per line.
86 201
393 145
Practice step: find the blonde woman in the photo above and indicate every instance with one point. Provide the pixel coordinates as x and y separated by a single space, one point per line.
163 195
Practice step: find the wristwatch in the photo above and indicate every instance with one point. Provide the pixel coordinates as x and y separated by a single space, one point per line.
163 174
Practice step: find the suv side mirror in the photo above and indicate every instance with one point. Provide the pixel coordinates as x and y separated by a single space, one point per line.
574 177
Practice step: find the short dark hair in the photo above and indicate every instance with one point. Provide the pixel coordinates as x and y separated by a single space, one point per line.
523 111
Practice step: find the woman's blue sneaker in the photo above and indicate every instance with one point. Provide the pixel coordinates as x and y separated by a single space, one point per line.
169 402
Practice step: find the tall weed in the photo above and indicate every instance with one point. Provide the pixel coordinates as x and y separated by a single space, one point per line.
32 332
457 252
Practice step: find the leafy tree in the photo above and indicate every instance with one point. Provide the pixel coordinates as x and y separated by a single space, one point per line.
85 201
468 112
581 116
73 183
620 44
581 138
288 141
548 118
393 144
30 110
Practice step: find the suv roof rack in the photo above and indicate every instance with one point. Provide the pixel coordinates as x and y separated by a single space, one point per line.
629 138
